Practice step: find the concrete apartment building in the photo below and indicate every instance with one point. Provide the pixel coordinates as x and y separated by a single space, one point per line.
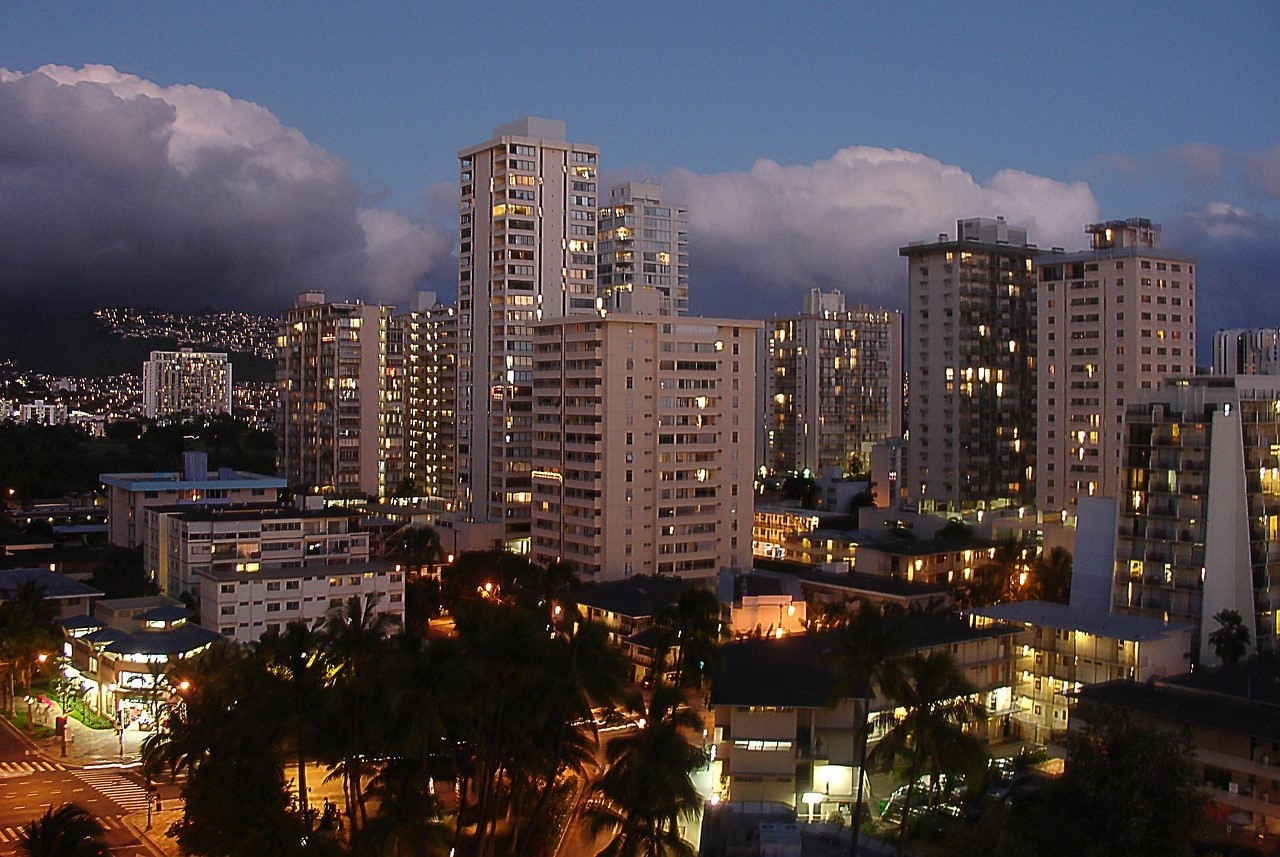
643 245
182 541
830 386
1112 321
1198 526
129 494
244 606
339 424
527 251
643 429
430 341
1247 352
186 382
971 341
781 736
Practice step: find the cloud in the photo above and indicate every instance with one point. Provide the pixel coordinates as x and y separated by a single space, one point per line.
1237 250
1200 165
114 189
1263 169
769 234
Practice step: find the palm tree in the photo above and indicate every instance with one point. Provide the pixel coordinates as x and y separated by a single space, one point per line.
931 737
589 672
868 646
65 831
1051 574
695 619
1231 641
26 627
416 547
648 788
293 659
355 642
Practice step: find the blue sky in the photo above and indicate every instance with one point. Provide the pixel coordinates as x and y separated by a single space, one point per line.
1158 110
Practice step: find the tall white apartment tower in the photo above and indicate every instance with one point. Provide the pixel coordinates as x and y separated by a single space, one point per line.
527 251
1112 322
643 246
971 340
643 433
831 385
1247 352
186 382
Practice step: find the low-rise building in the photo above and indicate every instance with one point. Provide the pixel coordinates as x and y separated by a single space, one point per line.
782 735
118 657
246 605
70 597
1232 716
129 493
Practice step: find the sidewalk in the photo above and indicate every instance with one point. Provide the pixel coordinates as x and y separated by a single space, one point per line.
100 748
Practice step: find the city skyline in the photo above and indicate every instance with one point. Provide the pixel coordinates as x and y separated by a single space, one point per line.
267 156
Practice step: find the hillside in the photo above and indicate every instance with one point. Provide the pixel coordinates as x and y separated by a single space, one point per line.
37 339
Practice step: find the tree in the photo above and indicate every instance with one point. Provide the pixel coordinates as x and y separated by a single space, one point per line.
1051 576
1232 638
1137 787
931 736
26 623
648 787
868 646
293 660
695 620
64 831
416 547
355 638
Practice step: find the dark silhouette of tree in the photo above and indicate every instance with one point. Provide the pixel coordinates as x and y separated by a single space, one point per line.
1137 788
1232 638
648 789
63 831
868 647
931 737
294 661
1051 576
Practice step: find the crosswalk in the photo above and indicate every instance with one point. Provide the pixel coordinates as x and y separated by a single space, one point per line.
130 796
10 834
28 767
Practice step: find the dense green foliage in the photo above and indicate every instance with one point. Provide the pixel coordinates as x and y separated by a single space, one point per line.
63 831
52 461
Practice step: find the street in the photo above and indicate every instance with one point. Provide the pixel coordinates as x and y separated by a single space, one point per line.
30 784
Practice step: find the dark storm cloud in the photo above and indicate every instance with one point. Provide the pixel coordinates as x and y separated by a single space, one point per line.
115 190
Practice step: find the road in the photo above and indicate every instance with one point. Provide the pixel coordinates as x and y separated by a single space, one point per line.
30 784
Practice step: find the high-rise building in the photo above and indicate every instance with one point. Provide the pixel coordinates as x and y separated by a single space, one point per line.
1113 321
191 382
339 428
1247 352
971 341
1198 526
430 332
643 244
830 385
670 490
527 233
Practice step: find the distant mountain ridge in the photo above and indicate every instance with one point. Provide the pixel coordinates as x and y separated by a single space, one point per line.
39 339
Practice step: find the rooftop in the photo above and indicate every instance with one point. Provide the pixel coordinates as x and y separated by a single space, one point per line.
636 596
56 586
1115 626
173 480
1172 702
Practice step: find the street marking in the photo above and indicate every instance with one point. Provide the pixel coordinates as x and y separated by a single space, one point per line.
30 767
122 791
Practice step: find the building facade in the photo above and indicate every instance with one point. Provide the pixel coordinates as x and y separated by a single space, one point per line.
527 250
670 492
831 385
1112 321
430 341
1247 352
1198 527
186 382
643 245
339 424
130 494
971 338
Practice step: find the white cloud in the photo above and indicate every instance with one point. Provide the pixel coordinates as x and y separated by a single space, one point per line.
781 230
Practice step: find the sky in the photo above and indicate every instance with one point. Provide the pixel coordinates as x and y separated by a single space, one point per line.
190 154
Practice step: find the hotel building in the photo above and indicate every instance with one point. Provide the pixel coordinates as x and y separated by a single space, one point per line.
643 245
186 382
